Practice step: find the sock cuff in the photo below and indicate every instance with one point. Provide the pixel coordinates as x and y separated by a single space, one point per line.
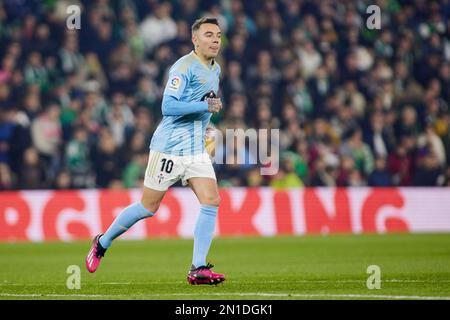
143 211
209 210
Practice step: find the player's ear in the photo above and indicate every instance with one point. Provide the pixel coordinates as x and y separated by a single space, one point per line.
195 40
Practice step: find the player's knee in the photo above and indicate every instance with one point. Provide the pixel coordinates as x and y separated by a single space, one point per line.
151 205
213 201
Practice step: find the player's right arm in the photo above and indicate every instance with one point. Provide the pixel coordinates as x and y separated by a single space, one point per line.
171 104
173 107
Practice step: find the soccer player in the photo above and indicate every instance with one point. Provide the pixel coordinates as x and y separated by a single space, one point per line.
177 151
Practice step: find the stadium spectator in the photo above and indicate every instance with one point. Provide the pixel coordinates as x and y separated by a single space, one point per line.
286 176
380 177
6 135
324 176
32 171
107 162
62 181
46 134
375 135
77 159
158 27
133 174
7 179
72 61
428 171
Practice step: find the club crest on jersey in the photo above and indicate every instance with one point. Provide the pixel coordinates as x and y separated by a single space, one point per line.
174 83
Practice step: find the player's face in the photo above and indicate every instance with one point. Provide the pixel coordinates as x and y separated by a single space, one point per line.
207 40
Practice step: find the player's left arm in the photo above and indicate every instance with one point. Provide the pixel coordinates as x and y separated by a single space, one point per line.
179 79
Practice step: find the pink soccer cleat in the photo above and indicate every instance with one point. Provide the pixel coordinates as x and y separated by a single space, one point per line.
95 255
204 275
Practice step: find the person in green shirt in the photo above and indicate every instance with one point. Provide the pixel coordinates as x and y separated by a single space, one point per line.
287 177
134 171
77 158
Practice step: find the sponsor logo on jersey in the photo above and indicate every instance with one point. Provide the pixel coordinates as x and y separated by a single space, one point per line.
174 83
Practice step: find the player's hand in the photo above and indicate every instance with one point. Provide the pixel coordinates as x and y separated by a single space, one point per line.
214 105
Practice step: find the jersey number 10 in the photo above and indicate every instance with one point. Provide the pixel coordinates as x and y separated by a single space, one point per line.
168 167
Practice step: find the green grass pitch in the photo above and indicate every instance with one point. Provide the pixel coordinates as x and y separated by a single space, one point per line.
309 267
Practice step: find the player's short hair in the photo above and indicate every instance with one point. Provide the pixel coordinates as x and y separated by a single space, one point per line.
203 20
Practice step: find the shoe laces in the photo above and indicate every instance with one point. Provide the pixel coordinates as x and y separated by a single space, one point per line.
208 266
100 252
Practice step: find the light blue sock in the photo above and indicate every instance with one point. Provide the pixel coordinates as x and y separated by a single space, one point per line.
203 234
128 217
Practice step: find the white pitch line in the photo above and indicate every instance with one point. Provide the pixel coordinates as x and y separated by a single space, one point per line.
247 282
349 281
240 294
18 295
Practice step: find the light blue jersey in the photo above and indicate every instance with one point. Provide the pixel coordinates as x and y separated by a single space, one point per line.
185 115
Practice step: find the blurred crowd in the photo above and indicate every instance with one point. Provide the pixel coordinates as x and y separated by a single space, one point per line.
355 107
